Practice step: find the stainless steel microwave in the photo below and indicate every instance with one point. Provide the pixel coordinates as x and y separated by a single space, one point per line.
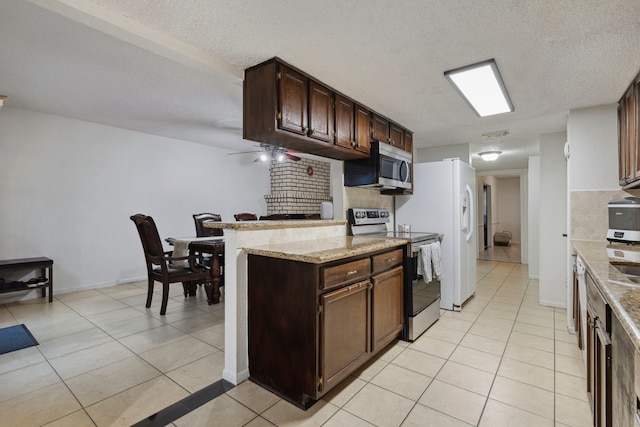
387 167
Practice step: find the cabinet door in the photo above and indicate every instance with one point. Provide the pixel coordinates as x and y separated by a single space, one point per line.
345 125
623 148
577 311
387 307
633 129
623 399
363 129
344 332
598 370
602 376
591 360
396 136
292 99
408 141
380 128
320 112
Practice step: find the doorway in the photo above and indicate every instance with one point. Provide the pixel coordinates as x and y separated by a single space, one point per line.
486 214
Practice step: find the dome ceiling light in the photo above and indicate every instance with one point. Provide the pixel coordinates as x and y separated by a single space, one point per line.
490 156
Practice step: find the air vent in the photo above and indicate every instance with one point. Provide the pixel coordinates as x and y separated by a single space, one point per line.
495 134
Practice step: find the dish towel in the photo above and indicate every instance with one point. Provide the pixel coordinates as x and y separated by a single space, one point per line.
180 248
424 263
436 260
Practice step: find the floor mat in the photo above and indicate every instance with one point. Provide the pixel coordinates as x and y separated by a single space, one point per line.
15 338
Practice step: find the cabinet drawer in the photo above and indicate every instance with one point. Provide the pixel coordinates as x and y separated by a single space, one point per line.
386 260
343 273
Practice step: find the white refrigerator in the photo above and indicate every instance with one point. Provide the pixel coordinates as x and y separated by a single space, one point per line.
444 201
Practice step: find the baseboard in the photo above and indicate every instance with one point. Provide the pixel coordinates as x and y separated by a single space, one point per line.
553 304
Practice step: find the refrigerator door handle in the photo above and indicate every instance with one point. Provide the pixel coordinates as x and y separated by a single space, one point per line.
469 212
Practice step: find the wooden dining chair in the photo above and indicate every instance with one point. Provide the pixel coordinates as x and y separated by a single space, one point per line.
159 263
245 216
201 219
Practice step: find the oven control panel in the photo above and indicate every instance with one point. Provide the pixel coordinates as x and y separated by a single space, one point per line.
362 216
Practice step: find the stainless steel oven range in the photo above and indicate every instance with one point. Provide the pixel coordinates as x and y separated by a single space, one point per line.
421 299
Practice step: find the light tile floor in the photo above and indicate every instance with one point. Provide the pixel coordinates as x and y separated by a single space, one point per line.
510 253
105 360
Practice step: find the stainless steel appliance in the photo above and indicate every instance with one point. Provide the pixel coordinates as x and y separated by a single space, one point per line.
387 167
624 220
421 299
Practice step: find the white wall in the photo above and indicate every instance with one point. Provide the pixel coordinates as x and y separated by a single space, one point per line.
509 207
553 224
593 139
533 224
435 154
68 188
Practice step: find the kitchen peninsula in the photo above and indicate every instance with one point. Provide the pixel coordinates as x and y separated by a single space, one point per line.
313 243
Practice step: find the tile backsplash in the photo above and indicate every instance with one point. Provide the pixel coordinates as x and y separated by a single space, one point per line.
590 214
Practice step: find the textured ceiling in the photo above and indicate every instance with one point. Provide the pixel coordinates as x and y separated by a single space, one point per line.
174 67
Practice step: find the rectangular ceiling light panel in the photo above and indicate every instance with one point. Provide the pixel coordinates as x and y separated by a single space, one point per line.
482 87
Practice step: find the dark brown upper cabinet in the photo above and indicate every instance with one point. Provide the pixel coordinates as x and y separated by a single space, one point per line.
363 129
345 122
353 125
386 131
293 101
285 107
321 115
408 141
629 136
396 135
379 128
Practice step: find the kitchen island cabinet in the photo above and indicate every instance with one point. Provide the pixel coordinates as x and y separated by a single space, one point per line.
312 324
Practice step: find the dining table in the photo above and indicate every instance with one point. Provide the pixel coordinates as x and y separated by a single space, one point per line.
212 246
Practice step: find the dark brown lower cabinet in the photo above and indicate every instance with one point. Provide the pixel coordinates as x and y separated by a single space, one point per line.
311 325
623 399
577 310
598 355
388 317
344 326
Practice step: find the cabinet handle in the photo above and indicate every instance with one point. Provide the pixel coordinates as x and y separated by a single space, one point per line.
279 115
353 144
305 129
352 272
391 260
355 285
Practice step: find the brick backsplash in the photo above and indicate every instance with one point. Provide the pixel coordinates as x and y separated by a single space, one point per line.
298 187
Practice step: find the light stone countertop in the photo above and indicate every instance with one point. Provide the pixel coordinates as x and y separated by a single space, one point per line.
268 225
324 250
622 295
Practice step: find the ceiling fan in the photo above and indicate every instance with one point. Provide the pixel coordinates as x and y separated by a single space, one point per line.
270 152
